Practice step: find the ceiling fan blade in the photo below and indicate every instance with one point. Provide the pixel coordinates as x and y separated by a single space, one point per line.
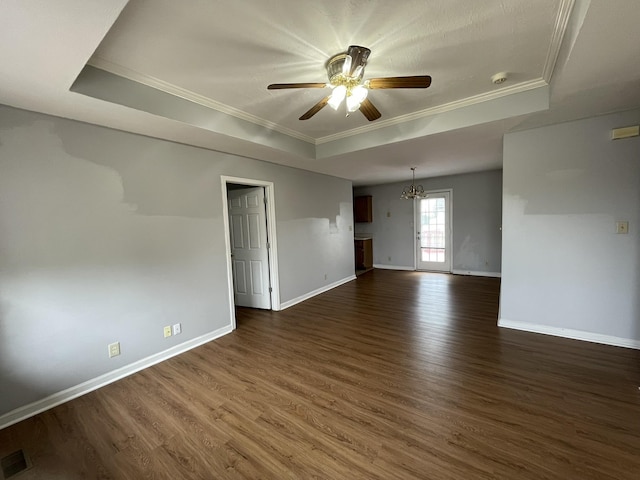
315 109
278 86
369 110
417 81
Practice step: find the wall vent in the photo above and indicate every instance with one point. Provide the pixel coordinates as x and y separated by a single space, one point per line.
625 132
14 464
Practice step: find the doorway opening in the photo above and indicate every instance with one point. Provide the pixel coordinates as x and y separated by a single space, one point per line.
433 231
250 241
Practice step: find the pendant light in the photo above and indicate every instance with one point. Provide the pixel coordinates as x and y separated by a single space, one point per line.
413 191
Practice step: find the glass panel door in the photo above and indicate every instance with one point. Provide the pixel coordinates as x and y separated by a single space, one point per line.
433 235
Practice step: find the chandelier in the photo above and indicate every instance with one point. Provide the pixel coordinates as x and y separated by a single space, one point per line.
413 191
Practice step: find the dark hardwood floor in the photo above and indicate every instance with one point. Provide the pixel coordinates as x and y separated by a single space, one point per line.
396 375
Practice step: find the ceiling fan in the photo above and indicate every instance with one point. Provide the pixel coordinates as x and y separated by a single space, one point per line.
345 72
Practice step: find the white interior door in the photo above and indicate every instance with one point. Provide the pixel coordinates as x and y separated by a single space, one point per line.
249 247
433 233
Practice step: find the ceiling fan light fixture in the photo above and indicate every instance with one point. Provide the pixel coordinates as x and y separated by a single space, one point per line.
346 72
337 96
355 96
413 190
359 93
352 104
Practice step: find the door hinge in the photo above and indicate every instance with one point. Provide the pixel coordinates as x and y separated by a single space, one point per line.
265 200
270 289
268 245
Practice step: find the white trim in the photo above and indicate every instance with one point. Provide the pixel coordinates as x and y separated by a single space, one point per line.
271 235
559 29
394 267
447 107
158 84
318 291
227 251
415 238
476 273
569 333
39 406
153 82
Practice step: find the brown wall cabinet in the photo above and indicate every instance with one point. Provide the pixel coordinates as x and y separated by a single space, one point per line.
363 209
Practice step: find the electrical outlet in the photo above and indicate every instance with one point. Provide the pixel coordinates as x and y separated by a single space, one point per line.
114 349
167 331
177 329
622 227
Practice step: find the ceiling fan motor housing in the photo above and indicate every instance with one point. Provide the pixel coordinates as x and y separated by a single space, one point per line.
335 66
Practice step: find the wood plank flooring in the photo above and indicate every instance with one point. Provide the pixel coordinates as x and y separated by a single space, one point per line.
396 375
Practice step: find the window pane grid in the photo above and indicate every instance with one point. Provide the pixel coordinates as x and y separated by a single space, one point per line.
432 234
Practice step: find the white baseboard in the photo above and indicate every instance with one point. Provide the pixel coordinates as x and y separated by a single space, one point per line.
477 273
307 296
394 267
455 272
569 333
39 406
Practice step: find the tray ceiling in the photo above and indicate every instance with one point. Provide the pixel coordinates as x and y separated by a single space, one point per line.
196 72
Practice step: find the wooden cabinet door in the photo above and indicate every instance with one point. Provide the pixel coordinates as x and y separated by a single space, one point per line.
364 254
363 209
359 254
367 253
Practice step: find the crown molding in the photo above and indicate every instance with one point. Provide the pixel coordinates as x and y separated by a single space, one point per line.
148 80
465 102
559 29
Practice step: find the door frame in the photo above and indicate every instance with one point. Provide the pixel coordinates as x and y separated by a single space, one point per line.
449 213
270 210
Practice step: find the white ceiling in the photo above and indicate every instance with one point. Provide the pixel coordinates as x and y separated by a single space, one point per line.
196 72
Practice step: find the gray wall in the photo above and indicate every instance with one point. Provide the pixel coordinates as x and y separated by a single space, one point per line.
476 202
107 236
565 270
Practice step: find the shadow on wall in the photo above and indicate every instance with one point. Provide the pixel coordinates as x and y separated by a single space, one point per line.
13 387
153 179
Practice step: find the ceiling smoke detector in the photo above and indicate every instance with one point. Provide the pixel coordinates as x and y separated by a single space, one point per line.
499 78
